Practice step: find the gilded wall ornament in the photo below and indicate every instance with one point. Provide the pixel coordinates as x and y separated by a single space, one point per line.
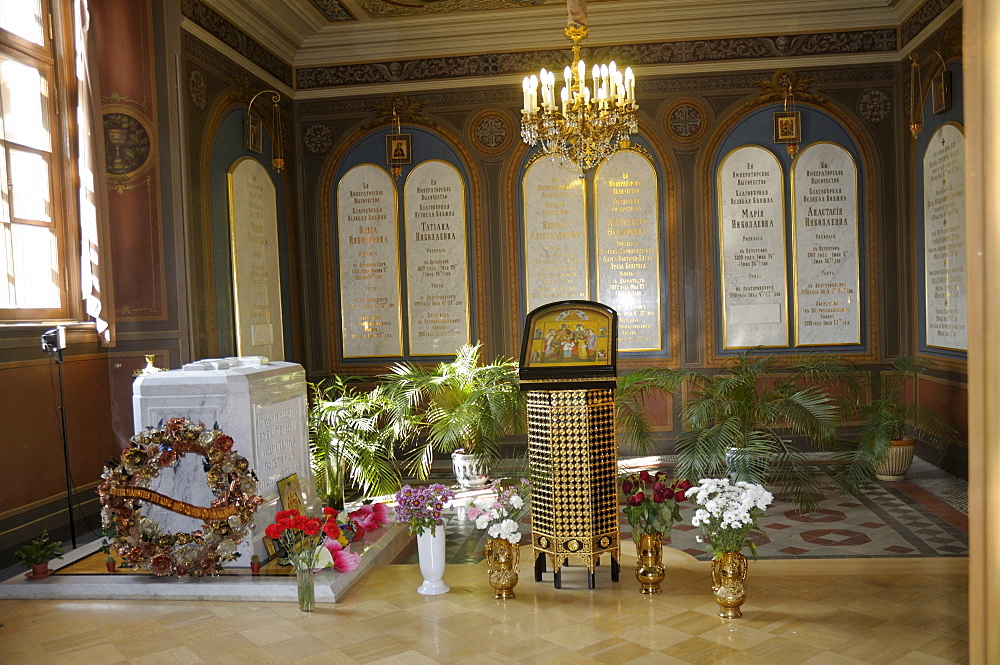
197 88
126 144
874 106
685 121
318 138
491 132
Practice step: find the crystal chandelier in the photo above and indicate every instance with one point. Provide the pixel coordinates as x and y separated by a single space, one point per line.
584 124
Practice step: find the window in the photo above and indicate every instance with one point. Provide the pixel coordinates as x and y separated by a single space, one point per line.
33 233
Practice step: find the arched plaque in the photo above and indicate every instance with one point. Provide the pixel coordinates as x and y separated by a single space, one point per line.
827 260
437 267
253 239
752 249
369 263
628 248
555 234
946 311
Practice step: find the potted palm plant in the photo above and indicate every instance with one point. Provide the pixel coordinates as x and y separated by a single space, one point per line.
737 422
349 437
460 407
37 554
891 422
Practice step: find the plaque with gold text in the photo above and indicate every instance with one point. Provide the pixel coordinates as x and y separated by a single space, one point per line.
628 248
436 259
944 239
555 234
752 249
369 263
253 237
825 237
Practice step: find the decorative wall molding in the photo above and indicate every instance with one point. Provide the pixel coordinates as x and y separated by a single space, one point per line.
691 51
921 18
333 10
220 27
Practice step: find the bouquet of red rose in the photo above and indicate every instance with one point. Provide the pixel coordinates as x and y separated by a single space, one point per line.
652 503
303 536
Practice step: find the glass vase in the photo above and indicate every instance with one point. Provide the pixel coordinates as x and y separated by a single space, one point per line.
306 587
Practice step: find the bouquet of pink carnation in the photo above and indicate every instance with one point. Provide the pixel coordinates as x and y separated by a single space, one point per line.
422 507
500 515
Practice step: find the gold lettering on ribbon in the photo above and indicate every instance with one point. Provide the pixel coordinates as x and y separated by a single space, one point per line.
207 514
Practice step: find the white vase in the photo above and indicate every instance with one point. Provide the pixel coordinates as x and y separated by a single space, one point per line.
431 551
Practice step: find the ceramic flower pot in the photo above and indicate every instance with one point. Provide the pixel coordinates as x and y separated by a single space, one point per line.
431 550
729 574
897 461
502 559
469 473
649 570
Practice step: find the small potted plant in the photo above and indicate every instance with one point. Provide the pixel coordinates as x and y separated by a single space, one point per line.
891 423
37 555
255 564
110 563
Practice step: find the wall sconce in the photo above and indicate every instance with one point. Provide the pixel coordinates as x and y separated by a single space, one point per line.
253 133
788 124
940 91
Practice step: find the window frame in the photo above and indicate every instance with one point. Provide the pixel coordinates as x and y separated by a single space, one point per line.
54 59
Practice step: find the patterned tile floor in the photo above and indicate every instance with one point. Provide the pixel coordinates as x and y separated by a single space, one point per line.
923 516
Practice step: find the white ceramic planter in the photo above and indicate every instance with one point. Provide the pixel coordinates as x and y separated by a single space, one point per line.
431 550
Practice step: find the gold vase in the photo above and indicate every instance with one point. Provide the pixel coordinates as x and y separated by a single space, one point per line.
649 571
502 559
729 573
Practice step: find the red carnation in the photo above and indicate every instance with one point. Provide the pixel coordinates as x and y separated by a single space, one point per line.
299 521
285 523
311 527
680 495
636 499
330 512
284 514
645 477
627 486
273 531
331 529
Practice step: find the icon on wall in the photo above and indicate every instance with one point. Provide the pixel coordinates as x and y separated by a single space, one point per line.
787 127
397 149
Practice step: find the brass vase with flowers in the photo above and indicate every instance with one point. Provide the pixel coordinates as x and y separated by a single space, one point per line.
727 511
651 505
500 513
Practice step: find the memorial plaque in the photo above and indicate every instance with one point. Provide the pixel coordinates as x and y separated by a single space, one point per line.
555 234
628 248
827 261
752 249
253 240
944 239
437 280
369 263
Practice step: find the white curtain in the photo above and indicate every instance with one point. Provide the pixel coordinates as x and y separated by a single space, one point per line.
95 250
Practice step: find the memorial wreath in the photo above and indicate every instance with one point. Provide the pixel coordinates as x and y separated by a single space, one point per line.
126 484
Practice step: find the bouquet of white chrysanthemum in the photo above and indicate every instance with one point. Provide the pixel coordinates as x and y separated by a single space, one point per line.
499 515
727 512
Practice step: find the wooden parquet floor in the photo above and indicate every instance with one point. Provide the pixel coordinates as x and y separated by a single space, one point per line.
815 612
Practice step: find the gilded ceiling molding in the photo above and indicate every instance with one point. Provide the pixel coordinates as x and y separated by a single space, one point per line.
921 18
220 28
693 51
